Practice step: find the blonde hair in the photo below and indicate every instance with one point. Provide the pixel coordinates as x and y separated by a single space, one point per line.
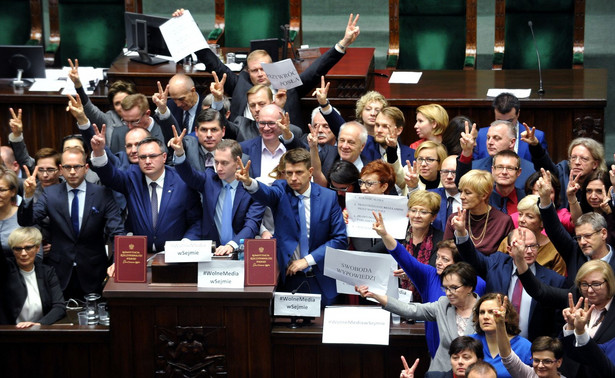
426 199
529 203
440 150
478 181
597 266
435 113
371 96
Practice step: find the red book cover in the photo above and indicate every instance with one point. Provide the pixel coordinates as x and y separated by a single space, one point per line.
130 258
261 262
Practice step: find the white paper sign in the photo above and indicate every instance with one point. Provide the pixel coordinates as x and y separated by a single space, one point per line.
392 286
519 93
299 304
221 274
178 251
359 268
405 77
182 36
356 325
361 219
282 74
404 295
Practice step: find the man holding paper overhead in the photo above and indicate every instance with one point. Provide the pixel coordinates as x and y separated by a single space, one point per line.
307 220
238 85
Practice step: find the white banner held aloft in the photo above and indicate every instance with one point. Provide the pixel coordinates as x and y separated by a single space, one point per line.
392 290
356 325
359 268
282 74
360 218
182 36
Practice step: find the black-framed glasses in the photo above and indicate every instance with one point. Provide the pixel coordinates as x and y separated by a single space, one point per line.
267 123
451 289
27 248
368 184
593 285
135 123
422 160
501 168
446 172
585 236
49 171
532 247
545 361
76 167
150 156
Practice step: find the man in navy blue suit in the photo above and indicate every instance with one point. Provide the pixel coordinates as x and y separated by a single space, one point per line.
80 214
449 193
160 205
506 107
499 272
229 212
184 103
307 220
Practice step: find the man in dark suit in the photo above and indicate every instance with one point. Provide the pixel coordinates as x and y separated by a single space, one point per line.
160 204
81 214
184 103
449 193
505 171
238 85
229 212
499 272
266 150
307 220
506 107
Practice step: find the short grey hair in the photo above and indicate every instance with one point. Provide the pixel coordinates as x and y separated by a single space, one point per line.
596 220
512 129
363 130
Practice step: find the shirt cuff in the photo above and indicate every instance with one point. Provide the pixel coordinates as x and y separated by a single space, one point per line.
179 159
287 141
546 207
582 339
233 244
567 332
326 112
310 260
461 239
14 139
465 159
84 126
163 116
99 161
217 105
253 187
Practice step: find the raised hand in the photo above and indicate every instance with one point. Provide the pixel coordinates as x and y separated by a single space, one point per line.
612 173
15 123
98 140
178 12
243 172
411 176
459 222
408 372
569 313
312 137
544 187
528 136
582 316
160 98
378 225
29 184
517 252
352 31
73 74
468 139
606 203
499 314
177 142
217 87
75 107
280 98
284 125
573 187
322 92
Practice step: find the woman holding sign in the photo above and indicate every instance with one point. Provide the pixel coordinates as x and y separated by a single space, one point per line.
452 312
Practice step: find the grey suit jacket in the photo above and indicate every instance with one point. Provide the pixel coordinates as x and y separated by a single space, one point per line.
243 128
194 153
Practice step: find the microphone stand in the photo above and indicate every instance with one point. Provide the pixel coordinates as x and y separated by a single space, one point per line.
541 90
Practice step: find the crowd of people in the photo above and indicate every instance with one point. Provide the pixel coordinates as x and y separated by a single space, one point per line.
501 241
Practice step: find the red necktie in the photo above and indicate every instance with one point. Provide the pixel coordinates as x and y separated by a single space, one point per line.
517 294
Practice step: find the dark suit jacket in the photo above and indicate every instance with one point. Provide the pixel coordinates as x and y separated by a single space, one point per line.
495 199
593 356
497 268
179 215
440 221
118 138
178 118
253 146
247 213
238 85
480 151
243 128
327 227
14 292
101 218
194 152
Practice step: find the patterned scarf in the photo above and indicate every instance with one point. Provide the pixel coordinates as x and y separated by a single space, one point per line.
422 253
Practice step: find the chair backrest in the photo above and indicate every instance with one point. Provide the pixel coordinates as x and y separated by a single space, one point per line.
427 34
92 31
20 21
245 20
558 27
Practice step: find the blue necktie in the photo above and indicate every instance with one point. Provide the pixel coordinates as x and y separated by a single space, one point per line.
226 234
187 122
303 239
74 211
154 203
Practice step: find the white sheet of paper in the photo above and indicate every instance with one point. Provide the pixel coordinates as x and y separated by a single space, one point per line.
182 36
177 251
361 219
47 85
519 93
359 268
219 274
356 325
282 74
299 304
399 77
392 286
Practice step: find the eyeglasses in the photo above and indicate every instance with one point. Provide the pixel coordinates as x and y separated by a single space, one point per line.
423 213
546 362
427 161
150 156
446 172
501 168
593 285
76 167
585 236
451 289
368 184
340 189
135 123
27 248
532 247
49 171
265 124
582 159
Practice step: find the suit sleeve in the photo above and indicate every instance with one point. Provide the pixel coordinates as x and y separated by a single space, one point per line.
194 216
269 195
113 219
561 239
335 121
58 308
30 213
195 180
591 355
337 237
417 311
470 255
420 274
22 156
252 221
545 294
112 177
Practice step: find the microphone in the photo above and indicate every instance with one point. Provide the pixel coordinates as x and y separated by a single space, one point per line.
541 90
299 287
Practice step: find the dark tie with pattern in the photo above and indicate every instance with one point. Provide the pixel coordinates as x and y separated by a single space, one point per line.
154 203
74 211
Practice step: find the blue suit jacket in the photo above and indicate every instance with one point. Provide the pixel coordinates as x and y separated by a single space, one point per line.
497 270
101 216
480 151
179 215
327 227
527 168
440 221
252 147
247 213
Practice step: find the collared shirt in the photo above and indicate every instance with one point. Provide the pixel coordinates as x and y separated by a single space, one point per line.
307 205
511 204
526 301
358 163
192 112
269 160
456 201
220 205
81 196
159 186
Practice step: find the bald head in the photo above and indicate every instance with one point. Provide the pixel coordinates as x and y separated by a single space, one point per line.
182 91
